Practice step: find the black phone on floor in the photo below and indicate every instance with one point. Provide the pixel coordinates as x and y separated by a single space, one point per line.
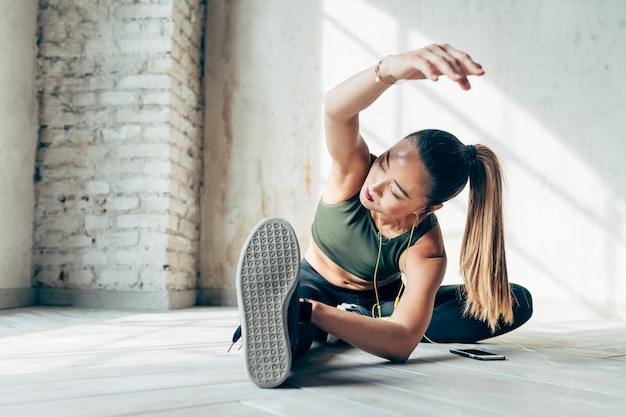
481 355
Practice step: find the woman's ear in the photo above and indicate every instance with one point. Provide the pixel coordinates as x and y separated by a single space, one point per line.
434 208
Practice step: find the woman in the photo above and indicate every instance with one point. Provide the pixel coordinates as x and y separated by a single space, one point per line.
376 248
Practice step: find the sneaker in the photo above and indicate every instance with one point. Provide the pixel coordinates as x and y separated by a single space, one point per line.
267 281
353 308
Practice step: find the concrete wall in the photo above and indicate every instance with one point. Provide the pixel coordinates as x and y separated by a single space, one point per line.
18 140
550 105
118 164
262 128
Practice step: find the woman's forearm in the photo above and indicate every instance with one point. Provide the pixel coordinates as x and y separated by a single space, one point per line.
382 338
354 95
359 91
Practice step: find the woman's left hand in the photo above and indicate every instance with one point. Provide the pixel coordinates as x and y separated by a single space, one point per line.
431 62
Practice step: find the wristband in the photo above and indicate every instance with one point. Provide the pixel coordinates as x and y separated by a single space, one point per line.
306 310
379 78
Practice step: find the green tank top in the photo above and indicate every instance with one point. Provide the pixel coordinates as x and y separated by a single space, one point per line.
347 234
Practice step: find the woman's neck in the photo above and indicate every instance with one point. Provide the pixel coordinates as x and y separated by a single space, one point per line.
391 227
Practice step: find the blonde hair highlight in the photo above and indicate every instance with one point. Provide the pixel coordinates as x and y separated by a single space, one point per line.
483 259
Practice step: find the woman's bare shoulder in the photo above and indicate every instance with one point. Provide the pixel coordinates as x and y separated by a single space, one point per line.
346 177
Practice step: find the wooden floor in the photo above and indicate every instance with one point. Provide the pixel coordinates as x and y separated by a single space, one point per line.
91 363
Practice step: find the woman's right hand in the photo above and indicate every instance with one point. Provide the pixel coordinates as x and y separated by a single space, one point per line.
430 62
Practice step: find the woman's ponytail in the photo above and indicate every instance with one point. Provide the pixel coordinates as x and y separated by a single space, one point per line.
483 259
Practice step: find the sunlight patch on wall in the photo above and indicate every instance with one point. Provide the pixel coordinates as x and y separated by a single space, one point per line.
565 221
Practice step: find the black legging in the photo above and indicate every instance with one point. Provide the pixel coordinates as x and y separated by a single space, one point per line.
447 325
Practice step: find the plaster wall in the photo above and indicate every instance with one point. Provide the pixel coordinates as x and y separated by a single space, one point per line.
550 105
18 140
262 84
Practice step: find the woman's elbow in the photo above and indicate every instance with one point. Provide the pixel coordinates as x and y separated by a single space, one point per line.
400 352
331 109
336 108
397 358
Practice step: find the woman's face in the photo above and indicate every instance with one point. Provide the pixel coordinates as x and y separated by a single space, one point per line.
397 183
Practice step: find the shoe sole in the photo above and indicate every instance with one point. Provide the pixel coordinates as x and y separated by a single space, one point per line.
267 275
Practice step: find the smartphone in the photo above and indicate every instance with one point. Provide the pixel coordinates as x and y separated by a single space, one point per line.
481 355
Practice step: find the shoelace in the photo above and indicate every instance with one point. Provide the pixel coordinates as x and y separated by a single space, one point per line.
236 337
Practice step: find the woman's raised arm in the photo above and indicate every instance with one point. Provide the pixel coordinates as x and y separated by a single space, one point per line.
344 102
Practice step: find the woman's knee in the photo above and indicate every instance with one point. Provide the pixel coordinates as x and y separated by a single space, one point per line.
522 304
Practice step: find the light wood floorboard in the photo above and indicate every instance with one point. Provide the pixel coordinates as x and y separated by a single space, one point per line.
101 363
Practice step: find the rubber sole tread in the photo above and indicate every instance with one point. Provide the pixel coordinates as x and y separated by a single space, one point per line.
266 280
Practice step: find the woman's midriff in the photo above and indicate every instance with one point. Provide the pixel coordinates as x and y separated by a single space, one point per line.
336 275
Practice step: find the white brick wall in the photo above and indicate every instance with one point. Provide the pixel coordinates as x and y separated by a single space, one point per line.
119 155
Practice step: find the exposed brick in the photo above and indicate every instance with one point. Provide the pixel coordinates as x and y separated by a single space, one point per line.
139 258
84 99
119 163
179 244
148 11
134 46
125 132
117 239
123 203
96 258
158 98
187 228
54 32
157 133
54 259
118 279
96 222
77 241
58 157
145 81
154 240
144 150
156 204
66 224
55 276
116 98
97 187
142 185
147 115
150 274
178 208
61 49
143 221
157 65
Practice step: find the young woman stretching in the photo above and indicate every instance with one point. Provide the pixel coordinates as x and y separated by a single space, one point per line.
376 248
